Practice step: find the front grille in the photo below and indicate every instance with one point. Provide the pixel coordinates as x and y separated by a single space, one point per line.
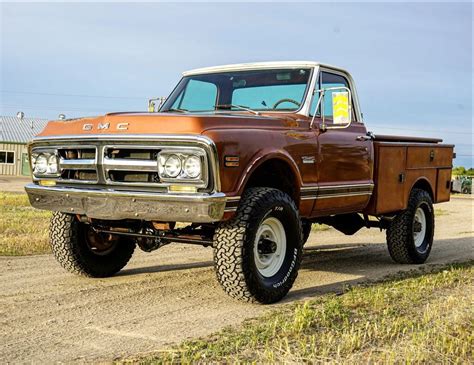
78 164
126 162
125 165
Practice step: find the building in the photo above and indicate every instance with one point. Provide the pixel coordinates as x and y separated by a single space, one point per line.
15 133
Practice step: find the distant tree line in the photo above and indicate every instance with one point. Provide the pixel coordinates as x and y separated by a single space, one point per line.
461 170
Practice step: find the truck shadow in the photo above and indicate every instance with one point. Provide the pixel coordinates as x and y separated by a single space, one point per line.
343 264
313 257
365 263
165 268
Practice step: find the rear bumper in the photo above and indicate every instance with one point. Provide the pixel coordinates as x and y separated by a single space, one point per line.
114 205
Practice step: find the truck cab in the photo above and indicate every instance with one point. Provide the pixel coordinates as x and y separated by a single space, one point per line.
243 158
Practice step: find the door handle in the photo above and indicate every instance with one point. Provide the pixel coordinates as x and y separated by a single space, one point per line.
363 138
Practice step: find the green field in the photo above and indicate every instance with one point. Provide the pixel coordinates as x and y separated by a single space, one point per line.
24 230
418 318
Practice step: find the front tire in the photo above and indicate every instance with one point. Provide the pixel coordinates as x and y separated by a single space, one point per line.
257 253
83 252
410 234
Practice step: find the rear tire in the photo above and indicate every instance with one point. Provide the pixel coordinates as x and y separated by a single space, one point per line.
257 253
83 252
410 234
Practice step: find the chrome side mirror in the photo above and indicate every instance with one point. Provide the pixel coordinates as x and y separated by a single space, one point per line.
152 104
341 107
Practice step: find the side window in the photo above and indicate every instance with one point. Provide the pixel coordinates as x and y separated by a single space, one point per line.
331 80
327 80
202 96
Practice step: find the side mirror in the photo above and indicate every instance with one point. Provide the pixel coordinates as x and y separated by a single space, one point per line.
151 104
341 107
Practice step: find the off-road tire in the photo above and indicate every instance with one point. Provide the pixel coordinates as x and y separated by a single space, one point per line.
70 249
400 241
234 242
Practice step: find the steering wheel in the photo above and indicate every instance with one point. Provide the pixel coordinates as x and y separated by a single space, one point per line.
285 100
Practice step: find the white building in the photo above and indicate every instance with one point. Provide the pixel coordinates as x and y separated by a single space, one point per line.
15 133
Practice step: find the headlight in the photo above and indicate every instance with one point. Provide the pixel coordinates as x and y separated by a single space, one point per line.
41 164
192 166
185 166
172 166
44 163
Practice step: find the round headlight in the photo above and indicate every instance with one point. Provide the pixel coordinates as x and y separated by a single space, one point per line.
172 166
52 164
41 164
192 166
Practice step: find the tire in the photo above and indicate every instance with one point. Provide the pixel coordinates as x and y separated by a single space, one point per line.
71 245
253 271
410 234
306 227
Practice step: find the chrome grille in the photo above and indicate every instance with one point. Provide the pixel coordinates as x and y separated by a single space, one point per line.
122 161
78 164
131 165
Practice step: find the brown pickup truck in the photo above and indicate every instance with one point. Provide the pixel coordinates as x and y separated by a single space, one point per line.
242 158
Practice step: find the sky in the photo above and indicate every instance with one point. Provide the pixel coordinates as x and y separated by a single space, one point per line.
412 62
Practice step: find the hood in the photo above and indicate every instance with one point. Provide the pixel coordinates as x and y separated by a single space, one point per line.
164 123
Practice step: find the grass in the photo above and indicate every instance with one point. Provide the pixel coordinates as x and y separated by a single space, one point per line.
23 229
440 212
422 318
316 227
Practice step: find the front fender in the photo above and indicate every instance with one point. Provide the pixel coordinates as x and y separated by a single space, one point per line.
259 158
252 147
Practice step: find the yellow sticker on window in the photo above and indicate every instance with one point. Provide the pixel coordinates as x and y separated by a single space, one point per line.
340 107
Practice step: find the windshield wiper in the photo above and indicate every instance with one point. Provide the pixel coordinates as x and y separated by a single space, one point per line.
238 107
176 110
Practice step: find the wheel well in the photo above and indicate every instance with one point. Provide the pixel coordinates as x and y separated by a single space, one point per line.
423 184
275 174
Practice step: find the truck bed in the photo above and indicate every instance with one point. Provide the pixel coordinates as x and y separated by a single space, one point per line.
402 163
408 139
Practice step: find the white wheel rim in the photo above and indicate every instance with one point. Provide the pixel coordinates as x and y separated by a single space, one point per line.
269 263
420 231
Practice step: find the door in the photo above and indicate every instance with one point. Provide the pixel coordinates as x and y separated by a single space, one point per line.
345 157
25 164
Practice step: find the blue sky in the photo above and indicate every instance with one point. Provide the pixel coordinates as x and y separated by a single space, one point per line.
412 62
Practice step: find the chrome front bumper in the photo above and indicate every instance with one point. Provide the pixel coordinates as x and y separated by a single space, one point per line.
113 204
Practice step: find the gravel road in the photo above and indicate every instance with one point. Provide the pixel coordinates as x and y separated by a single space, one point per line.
48 315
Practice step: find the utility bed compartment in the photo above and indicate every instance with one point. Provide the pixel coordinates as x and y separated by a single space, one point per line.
398 166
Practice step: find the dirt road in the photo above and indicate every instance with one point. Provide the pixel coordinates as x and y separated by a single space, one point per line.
47 315
14 184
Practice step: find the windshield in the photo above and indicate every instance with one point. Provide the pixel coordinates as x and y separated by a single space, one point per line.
260 90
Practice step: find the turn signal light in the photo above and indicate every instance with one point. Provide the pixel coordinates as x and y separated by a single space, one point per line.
182 189
47 183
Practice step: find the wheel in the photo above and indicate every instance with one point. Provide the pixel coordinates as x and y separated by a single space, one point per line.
306 226
257 253
410 234
82 251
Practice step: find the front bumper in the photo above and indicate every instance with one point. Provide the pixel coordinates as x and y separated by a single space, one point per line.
114 205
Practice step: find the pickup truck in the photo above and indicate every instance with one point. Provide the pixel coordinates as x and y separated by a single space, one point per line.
242 158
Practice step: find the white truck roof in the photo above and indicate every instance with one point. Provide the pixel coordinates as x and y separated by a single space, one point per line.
257 66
